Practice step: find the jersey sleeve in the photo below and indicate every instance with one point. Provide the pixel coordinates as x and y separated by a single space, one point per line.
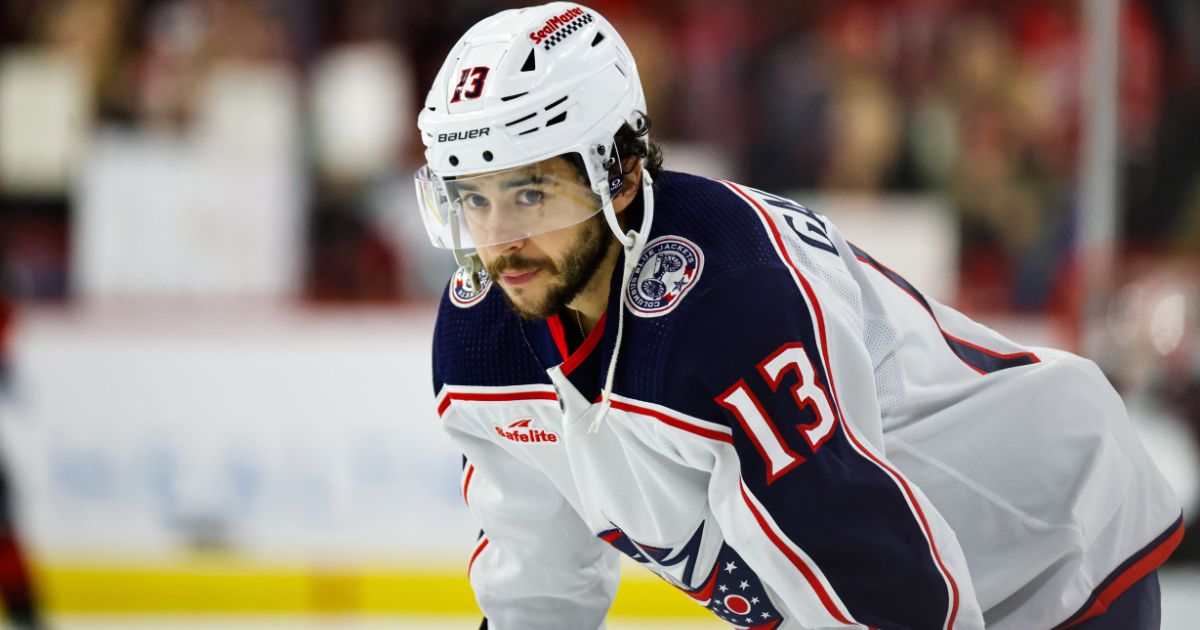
536 565
805 494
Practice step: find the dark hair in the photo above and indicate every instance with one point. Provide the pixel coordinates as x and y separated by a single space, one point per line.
631 142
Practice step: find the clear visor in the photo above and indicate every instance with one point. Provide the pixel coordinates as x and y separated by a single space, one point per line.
475 211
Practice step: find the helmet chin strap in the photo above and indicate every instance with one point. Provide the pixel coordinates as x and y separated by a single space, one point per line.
633 242
471 266
469 262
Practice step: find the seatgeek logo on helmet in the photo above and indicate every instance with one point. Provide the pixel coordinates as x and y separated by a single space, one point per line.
560 27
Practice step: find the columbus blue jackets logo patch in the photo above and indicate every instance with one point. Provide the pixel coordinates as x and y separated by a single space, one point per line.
463 297
669 266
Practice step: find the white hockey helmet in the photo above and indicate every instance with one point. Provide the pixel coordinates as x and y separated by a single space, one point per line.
521 87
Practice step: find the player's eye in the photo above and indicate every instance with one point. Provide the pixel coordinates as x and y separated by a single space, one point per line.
472 201
530 197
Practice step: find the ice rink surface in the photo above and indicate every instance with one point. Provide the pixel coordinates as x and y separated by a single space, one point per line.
1181 609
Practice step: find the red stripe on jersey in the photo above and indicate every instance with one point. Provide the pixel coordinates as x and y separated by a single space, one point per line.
494 397
796 560
903 285
899 479
874 264
1135 572
554 322
937 557
678 423
1033 358
704 593
585 349
478 550
467 483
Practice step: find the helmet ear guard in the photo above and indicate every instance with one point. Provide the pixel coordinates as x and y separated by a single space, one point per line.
607 173
609 162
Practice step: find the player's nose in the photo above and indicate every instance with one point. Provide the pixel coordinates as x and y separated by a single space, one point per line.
505 248
513 245
502 226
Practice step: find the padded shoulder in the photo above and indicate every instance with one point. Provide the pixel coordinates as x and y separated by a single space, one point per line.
481 344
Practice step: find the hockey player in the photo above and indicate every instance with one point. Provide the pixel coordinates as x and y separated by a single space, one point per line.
712 380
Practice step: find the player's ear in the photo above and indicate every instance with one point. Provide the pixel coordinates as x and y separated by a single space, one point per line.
631 186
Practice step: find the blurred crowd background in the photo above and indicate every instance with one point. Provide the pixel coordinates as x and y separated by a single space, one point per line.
977 101
263 149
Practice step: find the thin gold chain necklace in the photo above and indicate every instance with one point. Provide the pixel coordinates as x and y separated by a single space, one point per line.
579 322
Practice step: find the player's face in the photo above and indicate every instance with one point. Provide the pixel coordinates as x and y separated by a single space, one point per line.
540 274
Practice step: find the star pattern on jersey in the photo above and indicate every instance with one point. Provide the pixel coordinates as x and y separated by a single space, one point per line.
739 597
731 590
568 30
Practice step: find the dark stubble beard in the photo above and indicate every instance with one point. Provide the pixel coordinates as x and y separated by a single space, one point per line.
580 264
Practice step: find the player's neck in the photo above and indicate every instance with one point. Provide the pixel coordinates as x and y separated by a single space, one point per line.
592 301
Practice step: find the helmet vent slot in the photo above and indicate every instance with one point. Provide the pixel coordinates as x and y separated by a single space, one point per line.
596 40
512 96
530 65
520 120
555 104
528 131
557 119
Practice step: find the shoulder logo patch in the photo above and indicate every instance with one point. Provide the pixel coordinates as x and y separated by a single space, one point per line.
461 296
667 269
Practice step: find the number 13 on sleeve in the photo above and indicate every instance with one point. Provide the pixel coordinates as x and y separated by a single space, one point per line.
763 431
